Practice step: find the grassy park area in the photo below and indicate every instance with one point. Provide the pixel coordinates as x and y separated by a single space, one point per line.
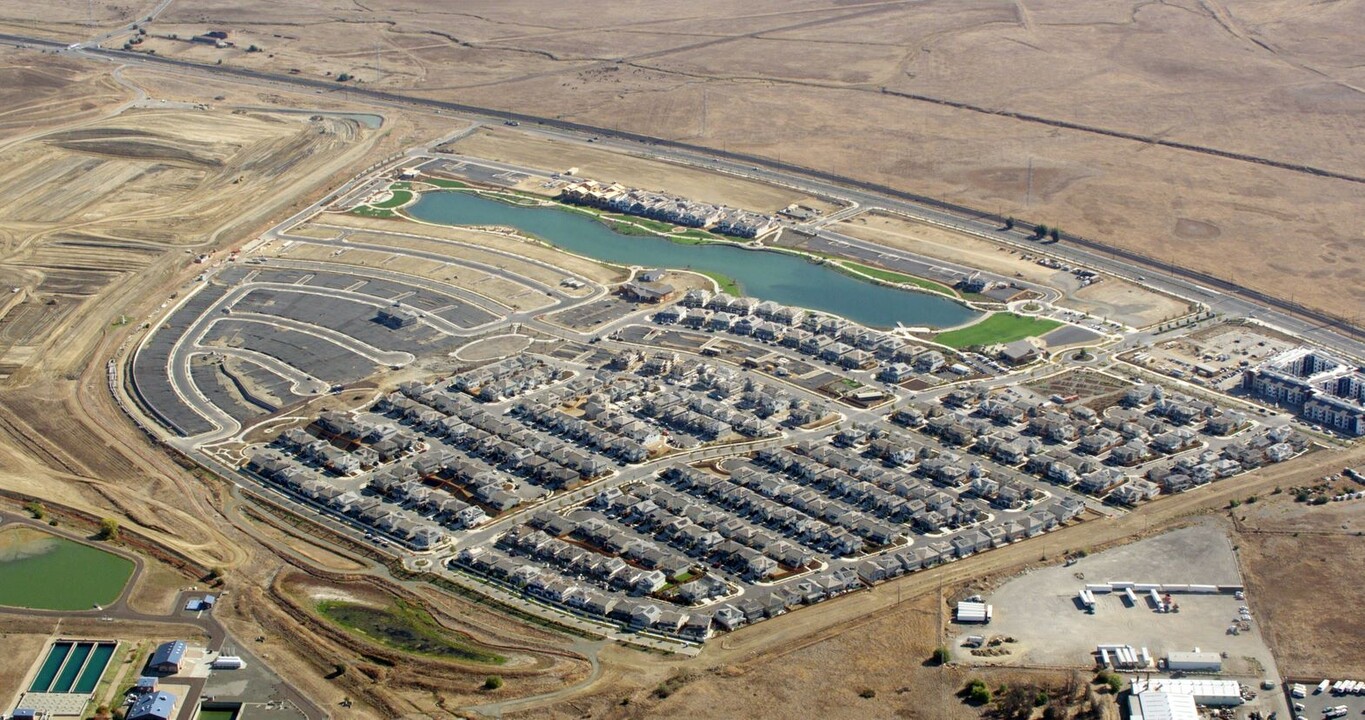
997 328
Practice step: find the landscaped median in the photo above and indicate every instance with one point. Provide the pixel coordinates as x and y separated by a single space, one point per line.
997 328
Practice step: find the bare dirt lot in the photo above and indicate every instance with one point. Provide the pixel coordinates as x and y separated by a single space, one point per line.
1303 565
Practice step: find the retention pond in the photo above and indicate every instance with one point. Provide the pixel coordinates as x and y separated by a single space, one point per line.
767 275
42 571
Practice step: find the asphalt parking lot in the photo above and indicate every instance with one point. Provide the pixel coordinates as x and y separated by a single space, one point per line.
1314 705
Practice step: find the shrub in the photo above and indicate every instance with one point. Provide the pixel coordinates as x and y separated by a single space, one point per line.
492 682
867 693
980 695
36 509
109 529
1113 680
1040 698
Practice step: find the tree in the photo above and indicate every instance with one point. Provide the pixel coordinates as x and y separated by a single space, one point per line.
1016 702
1039 231
109 529
942 655
343 77
492 682
977 692
253 48
1113 680
1055 234
36 509
1009 223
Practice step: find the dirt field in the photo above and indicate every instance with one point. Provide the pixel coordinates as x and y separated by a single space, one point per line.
21 652
941 105
497 241
1303 565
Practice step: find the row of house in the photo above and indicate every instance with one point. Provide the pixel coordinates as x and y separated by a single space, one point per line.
658 206
286 472
509 378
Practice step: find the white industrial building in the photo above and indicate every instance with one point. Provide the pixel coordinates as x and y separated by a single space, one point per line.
1212 693
1194 661
1160 705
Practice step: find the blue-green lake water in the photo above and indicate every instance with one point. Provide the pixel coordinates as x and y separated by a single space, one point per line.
766 275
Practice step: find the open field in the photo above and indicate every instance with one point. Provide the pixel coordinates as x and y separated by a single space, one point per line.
1303 564
35 94
998 328
955 101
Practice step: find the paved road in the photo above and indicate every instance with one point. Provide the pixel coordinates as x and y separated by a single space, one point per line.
121 611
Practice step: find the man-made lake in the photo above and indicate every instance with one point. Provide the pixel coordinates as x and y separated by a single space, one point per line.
766 275
43 571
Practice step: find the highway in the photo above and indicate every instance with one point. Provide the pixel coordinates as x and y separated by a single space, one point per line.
1218 294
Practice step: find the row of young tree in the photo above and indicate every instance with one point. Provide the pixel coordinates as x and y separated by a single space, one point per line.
1040 230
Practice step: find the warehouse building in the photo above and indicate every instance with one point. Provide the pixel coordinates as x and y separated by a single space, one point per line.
1161 705
1210 693
1194 661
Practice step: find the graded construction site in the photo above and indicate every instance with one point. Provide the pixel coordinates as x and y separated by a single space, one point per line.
111 196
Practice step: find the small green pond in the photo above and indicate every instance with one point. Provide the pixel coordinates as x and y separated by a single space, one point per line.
407 628
46 572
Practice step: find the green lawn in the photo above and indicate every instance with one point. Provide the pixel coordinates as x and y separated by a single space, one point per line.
443 183
646 223
727 284
369 211
622 227
900 278
399 199
998 328
406 627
